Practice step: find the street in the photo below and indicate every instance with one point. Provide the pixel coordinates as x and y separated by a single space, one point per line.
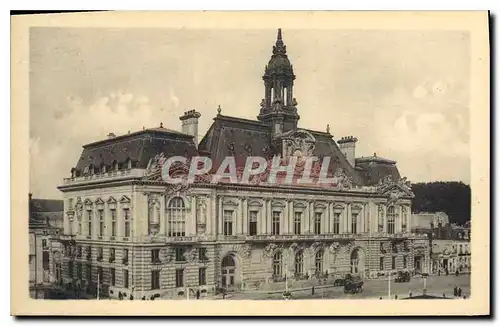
374 289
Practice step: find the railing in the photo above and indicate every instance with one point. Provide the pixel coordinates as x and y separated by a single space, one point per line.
120 174
296 237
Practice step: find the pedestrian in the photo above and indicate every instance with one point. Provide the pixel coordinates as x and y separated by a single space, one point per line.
380 298
396 297
444 295
459 292
312 290
197 294
410 294
455 291
456 273
223 293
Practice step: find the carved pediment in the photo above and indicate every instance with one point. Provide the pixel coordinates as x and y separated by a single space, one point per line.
88 202
299 205
125 200
111 200
356 207
298 143
255 203
388 184
99 201
338 207
320 206
230 202
277 204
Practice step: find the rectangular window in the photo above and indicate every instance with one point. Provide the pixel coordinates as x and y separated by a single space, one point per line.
179 254
126 217
317 223
112 253
100 274
79 252
202 254
354 223
79 227
44 244
202 276
112 274
70 269
79 271
405 262
381 263
100 253
179 278
228 222
297 223
276 223
336 223
125 279
101 222
89 253
125 256
45 260
89 272
393 262
252 223
113 222
155 256
89 219
155 280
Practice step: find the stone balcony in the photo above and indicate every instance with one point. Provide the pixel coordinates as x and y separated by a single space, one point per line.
106 176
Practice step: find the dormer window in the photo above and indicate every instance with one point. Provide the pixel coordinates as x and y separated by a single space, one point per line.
103 168
86 170
129 163
91 169
115 165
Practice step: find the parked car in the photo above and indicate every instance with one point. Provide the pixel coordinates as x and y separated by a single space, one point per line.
339 282
403 277
353 284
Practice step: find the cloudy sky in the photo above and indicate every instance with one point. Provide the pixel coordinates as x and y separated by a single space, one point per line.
404 95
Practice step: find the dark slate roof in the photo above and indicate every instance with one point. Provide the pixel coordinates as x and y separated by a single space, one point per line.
139 147
374 168
46 205
230 136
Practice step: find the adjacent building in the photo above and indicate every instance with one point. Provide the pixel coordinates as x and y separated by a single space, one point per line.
45 222
449 244
129 233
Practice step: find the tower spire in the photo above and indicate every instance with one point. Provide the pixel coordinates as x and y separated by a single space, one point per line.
279 35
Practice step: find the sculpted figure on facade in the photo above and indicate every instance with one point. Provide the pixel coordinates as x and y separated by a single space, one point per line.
79 208
154 167
342 181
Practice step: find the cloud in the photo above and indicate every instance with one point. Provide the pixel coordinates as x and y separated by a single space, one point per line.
83 123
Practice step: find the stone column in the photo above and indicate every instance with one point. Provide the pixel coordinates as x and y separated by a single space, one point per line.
239 217
325 224
263 218
385 219
285 218
191 225
245 216
349 218
290 216
305 223
219 217
269 217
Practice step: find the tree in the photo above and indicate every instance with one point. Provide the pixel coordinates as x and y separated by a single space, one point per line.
452 198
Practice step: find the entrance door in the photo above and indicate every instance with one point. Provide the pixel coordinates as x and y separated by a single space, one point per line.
356 263
228 269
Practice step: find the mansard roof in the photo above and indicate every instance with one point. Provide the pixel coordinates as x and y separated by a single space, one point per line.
139 147
374 168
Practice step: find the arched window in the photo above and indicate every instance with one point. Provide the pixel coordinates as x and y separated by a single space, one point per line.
299 263
176 212
115 165
391 218
277 264
318 261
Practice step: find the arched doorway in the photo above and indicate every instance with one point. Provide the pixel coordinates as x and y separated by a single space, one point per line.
357 262
228 271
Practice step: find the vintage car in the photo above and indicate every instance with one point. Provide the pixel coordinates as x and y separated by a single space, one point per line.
339 282
402 277
353 284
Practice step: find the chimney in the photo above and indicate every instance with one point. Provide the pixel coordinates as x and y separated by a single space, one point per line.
111 135
190 124
348 148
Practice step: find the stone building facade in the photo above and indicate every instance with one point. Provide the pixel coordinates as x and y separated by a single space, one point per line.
140 236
